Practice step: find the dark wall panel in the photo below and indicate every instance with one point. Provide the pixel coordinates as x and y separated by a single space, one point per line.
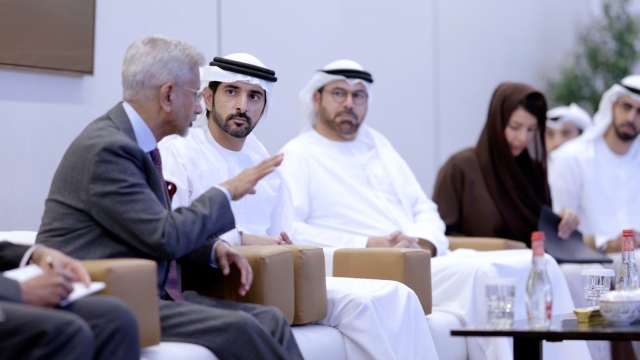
48 34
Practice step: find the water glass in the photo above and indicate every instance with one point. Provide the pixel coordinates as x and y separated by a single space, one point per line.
500 294
596 283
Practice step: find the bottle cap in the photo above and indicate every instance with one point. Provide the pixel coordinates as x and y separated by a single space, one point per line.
537 236
627 232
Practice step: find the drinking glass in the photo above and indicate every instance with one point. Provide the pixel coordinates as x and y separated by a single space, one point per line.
596 283
500 294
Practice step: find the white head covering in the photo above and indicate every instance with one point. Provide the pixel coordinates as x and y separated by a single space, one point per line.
572 114
322 78
211 73
630 86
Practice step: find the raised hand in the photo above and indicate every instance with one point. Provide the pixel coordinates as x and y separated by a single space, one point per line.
245 182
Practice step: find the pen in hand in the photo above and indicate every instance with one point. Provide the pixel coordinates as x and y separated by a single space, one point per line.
65 274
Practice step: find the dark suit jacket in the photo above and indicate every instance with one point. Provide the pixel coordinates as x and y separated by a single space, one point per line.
107 201
10 256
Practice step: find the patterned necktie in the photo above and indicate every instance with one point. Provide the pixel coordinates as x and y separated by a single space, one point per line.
172 285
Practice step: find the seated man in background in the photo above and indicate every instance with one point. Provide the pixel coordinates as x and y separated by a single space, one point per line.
597 174
350 188
238 92
32 326
108 200
563 124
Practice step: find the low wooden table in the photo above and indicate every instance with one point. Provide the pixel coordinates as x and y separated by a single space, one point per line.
527 343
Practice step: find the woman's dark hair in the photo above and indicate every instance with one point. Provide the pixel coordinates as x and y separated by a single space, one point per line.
536 105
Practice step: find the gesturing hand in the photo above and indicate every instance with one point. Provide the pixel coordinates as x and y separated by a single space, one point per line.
245 182
226 257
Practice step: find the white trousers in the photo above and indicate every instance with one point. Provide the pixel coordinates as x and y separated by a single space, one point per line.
379 319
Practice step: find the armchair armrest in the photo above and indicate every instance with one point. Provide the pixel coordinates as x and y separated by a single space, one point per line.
411 267
484 243
272 279
310 284
133 281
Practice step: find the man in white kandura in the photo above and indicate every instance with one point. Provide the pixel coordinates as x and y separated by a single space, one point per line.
563 124
379 319
596 175
350 188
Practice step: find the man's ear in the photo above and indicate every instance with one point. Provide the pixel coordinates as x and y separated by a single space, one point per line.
316 100
208 98
166 96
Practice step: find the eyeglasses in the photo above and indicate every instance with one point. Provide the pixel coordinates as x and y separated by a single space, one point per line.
198 94
339 95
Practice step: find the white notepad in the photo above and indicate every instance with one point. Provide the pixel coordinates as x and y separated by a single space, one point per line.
79 290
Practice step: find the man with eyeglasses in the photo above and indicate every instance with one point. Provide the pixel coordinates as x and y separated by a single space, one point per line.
353 157
108 199
351 189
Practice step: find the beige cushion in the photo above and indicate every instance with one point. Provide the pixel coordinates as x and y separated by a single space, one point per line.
310 284
272 279
134 281
411 267
484 243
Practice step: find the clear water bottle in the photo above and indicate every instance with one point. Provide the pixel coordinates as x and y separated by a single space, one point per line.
627 277
538 296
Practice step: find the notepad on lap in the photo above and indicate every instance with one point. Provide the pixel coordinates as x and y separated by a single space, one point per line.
79 290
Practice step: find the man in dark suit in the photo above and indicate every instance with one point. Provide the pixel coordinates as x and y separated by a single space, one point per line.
108 199
31 327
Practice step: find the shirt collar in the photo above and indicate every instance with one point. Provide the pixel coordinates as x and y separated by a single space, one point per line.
144 136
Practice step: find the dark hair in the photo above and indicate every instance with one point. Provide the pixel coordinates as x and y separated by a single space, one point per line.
213 85
536 105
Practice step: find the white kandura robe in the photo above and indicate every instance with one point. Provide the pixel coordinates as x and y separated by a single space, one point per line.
379 319
602 187
346 192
